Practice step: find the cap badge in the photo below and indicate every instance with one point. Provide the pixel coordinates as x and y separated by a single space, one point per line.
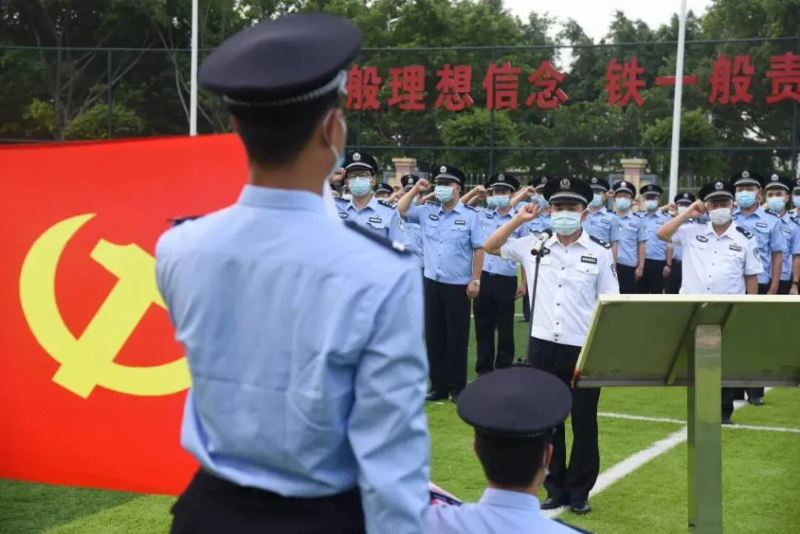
501 178
594 180
774 177
356 157
623 184
685 195
565 183
443 169
718 186
745 174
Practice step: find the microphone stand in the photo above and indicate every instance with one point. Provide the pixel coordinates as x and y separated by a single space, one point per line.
537 260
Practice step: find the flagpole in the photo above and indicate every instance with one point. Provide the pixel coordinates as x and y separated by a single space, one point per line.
193 86
676 106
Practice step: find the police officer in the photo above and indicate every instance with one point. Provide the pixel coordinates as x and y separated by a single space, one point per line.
681 203
632 237
777 190
600 222
383 191
494 307
413 233
534 227
655 264
719 257
575 268
378 216
514 449
452 237
299 424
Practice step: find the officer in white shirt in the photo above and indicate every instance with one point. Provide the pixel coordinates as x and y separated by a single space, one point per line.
719 257
575 268
514 412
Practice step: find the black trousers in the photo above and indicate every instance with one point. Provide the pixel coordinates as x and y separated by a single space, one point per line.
652 281
526 307
447 313
494 311
211 505
784 287
672 285
728 396
627 279
578 478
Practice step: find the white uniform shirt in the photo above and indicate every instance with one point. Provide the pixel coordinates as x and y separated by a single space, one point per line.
716 264
570 280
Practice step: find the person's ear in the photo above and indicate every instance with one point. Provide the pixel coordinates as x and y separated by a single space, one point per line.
584 214
548 455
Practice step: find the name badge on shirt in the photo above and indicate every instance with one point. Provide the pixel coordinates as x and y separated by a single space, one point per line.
376 220
588 259
434 217
702 238
737 248
633 225
343 215
490 216
605 221
460 221
761 224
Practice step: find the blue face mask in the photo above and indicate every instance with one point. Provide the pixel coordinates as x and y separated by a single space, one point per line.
745 199
443 193
566 222
623 203
501 201
597 200
541 201
359 186
651 205
776 203
491 202
796 200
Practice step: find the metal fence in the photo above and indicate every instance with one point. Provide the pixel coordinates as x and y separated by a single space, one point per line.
53 94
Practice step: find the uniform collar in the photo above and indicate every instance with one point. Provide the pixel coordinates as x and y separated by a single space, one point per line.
510 499
601 211
758 212
509 213
727 233
583 240
372 204
458 208
628 214
287 199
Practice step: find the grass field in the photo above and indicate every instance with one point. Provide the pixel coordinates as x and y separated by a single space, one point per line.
761 473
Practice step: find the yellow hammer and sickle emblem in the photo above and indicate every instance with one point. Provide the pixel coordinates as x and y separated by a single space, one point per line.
88 361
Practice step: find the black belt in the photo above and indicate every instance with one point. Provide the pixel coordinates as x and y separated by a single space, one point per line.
493 275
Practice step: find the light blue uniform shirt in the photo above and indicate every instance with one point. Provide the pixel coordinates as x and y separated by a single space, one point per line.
498 512
378 216
766 227
304 344
449 237
537 225
655 249
491 220
631 232
603 225
413 240
791 233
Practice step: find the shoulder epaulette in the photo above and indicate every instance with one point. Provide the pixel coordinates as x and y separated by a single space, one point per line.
744 232
639 214
772 213
395 246
600 242
176 221
795 219
382 202
473 208
573 527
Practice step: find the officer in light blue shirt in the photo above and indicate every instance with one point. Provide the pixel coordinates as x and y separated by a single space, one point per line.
655 265
672 286
514 412
364 208
452 236
303 335
600 222
632 236
764 224
412 231
494 307
777 190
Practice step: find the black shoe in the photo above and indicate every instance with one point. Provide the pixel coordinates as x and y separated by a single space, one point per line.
756 401
551 503
727 420
434 396
581 507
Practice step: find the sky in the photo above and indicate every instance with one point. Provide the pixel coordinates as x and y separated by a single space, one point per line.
594 16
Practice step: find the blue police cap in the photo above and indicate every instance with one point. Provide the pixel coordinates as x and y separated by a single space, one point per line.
651 189
717 190
360 160
567 191
778 181
409 180
599 183
684 196
538 181
504 180
282 62
624 187
519 402
747 178
444 173
383 188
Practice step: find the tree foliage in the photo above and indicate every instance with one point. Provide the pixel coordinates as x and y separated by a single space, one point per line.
66 65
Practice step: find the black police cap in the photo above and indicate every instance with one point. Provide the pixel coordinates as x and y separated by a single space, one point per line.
684 196
651 189
599 183
567 191
360 160
409 180
383 188
519 402
624 187
283 62
504 181
747 178
449 173
778 181
538 181
717 190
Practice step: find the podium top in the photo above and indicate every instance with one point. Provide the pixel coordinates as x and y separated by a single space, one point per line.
647 340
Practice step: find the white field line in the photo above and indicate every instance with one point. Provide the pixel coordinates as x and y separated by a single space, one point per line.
630 417
630 464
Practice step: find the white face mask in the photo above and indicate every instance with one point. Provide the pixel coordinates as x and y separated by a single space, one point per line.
720 216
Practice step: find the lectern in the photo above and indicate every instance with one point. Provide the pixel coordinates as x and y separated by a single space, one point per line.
686 337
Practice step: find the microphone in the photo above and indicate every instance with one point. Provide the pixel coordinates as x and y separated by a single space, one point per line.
536 250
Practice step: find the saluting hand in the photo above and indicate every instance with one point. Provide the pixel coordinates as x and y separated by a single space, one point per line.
422 184
696 210
527 212
338 176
